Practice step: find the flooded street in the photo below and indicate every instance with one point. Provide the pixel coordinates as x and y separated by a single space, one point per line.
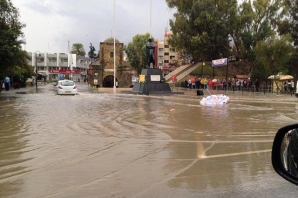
124 145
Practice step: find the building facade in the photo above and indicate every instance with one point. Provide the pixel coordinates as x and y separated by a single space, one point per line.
167 57
58 66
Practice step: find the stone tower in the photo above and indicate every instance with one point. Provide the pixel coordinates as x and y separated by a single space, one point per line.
107 61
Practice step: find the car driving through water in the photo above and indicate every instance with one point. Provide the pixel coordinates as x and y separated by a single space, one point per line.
67 87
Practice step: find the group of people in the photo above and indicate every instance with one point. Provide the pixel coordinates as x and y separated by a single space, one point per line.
196 83
7 83
289 86
232 84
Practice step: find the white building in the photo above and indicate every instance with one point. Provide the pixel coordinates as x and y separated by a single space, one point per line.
167 57
59 66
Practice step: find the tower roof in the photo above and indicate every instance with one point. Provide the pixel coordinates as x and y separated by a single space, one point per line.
111 40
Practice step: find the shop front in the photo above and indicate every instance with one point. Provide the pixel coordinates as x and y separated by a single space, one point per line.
61 74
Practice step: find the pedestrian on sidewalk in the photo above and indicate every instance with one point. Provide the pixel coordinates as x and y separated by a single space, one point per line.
7 83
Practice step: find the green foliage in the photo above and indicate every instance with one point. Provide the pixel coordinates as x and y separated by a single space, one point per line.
290 22
78 49
136 51
11 53
273 55
200 28
211 29
22 73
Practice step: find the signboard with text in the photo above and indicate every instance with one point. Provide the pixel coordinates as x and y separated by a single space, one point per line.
219 62
64 71
155 78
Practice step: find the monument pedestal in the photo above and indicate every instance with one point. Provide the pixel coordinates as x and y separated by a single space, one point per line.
152 84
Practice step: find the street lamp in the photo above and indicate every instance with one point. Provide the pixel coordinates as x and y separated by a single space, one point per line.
37 53
114 87
203 63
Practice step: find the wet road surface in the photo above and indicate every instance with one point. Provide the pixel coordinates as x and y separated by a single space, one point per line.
124 145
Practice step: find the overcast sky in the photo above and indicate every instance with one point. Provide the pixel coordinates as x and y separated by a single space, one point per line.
50 24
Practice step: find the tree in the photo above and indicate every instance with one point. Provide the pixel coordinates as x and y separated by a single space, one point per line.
200 28
289 25
78 49
11 53
136 51
257 22
210 29
273 56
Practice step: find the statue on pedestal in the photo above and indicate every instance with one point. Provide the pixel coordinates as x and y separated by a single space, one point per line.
150 46
91 53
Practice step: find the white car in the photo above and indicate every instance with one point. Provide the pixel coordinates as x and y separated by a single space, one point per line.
67 87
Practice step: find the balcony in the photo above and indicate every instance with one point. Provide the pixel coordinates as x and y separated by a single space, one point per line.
64 64
52 64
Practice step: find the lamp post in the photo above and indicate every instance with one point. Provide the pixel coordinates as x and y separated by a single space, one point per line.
203 63
114 87
37 53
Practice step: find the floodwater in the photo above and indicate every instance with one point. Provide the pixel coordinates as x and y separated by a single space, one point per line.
124 145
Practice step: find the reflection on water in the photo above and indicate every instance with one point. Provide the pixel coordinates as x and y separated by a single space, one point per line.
124 145
12 144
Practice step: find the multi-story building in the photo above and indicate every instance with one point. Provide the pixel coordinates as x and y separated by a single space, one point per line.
167 57
59 66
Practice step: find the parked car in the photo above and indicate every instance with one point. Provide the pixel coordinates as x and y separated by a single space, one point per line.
67 87
284 154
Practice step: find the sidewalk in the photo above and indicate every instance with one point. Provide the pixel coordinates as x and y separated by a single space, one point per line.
23 90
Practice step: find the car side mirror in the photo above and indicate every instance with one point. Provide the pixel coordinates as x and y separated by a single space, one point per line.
284 156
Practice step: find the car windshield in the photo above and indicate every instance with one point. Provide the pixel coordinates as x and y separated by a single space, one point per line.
67 83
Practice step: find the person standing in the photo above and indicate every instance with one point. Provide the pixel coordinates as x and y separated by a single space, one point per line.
233 83
238 84
249 84
7 83
198 83
229 84
185 83
244 84
257 84
202 82
193 83
292 87
286 86
205 83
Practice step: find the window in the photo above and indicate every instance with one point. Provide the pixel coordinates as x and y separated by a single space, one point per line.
166 61
172 57
160 57
166 46
111 54
67 83
160 49
52 60
166 53
40 60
